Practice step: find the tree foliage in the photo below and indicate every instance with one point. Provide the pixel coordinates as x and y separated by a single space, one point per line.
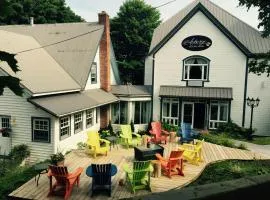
131 32
258 65
19 12
43 11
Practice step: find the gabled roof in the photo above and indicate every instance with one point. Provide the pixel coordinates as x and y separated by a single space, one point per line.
244 36
73 50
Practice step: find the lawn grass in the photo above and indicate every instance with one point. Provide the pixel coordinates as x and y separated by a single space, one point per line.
261 140
232 169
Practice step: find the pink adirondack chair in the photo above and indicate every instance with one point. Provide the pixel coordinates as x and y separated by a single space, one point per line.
158 134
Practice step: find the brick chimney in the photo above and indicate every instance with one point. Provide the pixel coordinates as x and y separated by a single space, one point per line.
104 52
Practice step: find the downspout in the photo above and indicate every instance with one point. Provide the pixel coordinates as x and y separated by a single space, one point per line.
153 77
245 94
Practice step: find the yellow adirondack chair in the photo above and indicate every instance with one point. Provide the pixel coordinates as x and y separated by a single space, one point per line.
126 136
193 152
93 143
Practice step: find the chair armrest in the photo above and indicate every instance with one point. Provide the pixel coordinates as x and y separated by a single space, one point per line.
188 150
127 169
159 157
185 145
137 135
76 173
151 132
172 159
165 132
103 140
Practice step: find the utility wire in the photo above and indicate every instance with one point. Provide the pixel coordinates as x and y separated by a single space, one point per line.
55 43
165 4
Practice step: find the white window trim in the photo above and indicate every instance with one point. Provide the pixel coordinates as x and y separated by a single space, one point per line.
91 116
5 117
218 115
202 69
168 119
66 126
34 120
78 119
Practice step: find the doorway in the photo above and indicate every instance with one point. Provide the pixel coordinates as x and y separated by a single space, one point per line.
199 115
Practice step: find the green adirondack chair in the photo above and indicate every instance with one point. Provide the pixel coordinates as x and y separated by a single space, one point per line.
139 176
128 138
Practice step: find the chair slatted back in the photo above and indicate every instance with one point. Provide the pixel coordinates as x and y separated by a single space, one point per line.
175 154
93 139
101 174
140 170
186 130
126 131
60 173
156 128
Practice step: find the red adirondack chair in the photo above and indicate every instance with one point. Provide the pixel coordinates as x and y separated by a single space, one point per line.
173 165
63 179
159 135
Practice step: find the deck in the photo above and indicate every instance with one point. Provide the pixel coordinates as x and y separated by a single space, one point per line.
76 158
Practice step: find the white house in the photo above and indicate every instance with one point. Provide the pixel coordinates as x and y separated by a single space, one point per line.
66 73
197 66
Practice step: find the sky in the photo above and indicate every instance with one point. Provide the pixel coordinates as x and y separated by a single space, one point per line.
89 9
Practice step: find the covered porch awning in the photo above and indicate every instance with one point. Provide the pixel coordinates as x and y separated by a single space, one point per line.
196 92
65 104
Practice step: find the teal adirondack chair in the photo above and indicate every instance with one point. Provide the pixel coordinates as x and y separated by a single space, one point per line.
128 138
139 176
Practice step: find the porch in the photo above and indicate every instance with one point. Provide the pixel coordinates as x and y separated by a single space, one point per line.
76 158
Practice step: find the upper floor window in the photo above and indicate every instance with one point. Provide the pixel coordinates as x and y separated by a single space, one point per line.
196 68
94 73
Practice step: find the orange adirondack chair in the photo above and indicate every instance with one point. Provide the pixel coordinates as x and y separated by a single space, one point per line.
63 179
173 165
159 135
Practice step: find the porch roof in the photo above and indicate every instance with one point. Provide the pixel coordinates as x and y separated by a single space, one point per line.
197 92
132 90
60 105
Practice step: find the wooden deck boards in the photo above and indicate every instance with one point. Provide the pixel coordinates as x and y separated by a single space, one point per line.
211 153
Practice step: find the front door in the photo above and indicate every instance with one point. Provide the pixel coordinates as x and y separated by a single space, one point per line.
187 115
199 115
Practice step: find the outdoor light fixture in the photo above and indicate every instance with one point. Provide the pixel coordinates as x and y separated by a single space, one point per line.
252 103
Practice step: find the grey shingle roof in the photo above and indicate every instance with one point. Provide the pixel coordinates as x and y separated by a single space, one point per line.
74 56
249 37
196 92
69 103
131 90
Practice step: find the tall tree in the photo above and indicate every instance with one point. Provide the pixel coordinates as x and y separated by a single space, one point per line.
19 12
131 32
261 64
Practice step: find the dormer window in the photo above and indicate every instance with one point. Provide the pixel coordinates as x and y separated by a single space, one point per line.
94 73
196 68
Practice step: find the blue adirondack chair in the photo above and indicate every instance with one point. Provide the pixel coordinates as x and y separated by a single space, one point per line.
186 133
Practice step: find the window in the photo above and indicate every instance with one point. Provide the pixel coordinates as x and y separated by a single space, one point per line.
218 113
78 125
119 113
5 121
89 118
141 112
170 107
41 129
64 127
196 68
94 73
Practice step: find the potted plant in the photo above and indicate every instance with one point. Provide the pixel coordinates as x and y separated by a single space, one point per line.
57 159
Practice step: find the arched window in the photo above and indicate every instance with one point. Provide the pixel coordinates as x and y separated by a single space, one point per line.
196 68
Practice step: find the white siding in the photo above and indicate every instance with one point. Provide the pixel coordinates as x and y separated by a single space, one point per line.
227 66
259 86
113 80
88 83
21 112
148 70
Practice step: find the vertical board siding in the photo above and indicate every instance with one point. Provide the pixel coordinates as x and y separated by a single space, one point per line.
21 112
226 69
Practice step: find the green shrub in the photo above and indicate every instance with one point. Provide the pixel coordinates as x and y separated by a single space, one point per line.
19 152
57 158
233 130
220 139
110 128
